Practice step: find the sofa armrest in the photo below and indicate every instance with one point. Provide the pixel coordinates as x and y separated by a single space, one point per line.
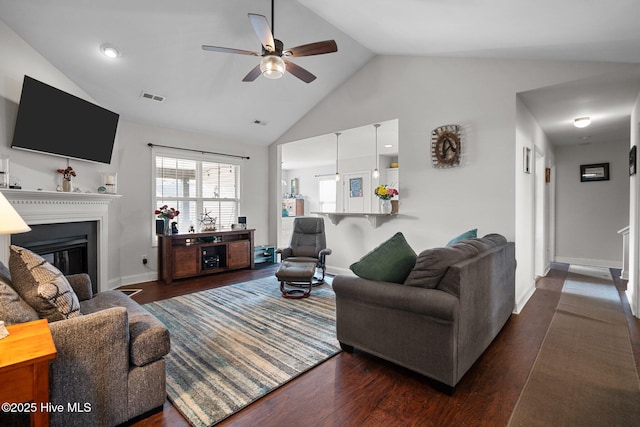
91 366
432 302
81 284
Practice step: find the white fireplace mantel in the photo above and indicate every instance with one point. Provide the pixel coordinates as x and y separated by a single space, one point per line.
52 207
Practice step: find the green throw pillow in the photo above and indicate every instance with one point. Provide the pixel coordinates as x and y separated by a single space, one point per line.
471 234
392 261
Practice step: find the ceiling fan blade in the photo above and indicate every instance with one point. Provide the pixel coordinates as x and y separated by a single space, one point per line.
253 74
261 27
229 50
317 48
299 72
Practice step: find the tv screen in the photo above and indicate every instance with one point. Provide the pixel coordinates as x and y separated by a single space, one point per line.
55 122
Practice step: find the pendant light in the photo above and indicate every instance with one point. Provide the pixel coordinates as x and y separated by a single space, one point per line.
337 151
376 172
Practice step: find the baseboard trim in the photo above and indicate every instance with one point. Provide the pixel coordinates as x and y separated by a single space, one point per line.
590 262
338 270
520 303
137 278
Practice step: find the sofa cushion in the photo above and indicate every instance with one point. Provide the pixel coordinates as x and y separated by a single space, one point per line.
471 234
149 338
432 264
42 286
390 262
13 309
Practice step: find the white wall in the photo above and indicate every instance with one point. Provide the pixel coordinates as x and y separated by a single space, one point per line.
589 214
131 216
424 93
529 134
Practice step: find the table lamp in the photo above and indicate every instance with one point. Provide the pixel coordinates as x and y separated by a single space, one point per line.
10 223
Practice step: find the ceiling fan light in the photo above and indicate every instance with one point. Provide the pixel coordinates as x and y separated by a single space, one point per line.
582 122
272 67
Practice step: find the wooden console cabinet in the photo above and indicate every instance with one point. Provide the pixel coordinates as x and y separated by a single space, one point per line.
197 254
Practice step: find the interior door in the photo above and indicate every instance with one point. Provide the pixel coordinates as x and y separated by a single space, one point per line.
356 192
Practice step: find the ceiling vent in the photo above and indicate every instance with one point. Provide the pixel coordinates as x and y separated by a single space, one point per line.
152 97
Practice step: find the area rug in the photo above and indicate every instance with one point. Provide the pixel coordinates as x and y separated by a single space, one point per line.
585 374
232 345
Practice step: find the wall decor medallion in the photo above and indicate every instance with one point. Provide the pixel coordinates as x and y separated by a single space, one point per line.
446 146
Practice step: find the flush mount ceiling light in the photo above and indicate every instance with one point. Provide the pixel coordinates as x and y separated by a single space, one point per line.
109 50
582 122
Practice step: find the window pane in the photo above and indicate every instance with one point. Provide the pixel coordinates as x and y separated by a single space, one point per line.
214 189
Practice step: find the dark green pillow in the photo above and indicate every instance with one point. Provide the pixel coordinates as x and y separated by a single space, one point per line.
392 261
471 234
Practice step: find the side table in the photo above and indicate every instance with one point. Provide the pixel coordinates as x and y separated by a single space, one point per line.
24 367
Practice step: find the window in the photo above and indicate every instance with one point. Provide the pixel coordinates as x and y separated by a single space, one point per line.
327 190
195 186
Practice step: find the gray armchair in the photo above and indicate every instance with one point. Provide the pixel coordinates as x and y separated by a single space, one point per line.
308 244
110 359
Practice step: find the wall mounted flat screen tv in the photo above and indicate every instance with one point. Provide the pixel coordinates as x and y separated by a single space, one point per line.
55 122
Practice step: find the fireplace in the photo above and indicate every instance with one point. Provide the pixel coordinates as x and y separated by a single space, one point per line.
58 208
71 246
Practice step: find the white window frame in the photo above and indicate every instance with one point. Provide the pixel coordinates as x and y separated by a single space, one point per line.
198 158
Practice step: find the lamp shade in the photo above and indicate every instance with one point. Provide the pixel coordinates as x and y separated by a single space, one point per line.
272 67
10 221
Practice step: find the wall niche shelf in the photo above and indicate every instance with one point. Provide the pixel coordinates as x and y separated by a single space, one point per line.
375 219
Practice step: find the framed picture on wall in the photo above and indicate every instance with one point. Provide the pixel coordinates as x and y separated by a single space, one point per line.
355 187
594 172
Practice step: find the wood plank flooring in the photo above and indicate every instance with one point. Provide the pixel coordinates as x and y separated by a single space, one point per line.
359 389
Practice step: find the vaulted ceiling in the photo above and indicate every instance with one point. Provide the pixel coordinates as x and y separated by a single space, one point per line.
160 43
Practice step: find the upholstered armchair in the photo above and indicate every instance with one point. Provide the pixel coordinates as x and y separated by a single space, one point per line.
308 244
110 359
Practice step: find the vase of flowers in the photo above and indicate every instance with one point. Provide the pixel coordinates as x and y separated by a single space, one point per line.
385 193
67 174
166 214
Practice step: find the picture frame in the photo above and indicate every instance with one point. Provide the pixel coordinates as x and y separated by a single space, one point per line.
355 187
526 160
594 172
632 161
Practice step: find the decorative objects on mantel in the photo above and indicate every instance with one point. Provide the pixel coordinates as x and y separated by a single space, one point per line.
111 184
66 178
446 146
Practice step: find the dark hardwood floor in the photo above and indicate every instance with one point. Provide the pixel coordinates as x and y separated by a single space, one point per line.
359 389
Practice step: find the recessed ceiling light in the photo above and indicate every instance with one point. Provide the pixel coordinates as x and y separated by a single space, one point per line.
388 146
582 122
109 50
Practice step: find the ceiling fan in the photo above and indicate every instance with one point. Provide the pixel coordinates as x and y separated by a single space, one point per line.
272 65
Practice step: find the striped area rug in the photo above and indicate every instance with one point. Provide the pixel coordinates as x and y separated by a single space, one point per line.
232 345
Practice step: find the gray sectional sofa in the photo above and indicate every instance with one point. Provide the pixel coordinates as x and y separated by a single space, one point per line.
110 357
441 319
